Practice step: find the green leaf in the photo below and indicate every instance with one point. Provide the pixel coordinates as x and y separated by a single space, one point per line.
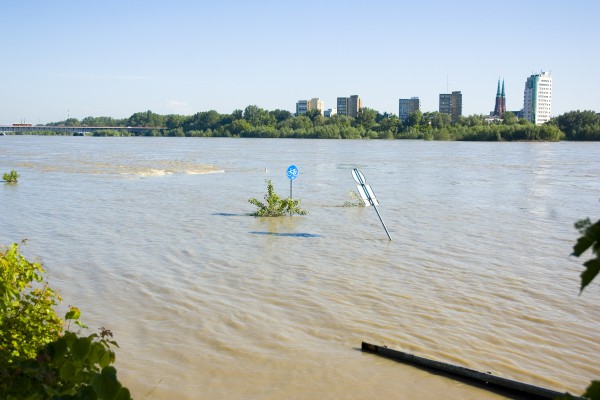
73 313
123 394
96 353
582 225
592 269
67 371
58 349
583 243
106 384
81 348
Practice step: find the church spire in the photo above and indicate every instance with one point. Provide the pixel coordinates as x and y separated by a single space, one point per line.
500 107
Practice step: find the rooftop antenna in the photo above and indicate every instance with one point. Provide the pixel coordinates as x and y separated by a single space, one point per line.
447 86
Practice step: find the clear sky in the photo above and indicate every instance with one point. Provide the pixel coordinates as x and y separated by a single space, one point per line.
112 58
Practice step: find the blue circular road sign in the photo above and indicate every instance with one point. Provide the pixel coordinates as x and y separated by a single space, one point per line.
292 172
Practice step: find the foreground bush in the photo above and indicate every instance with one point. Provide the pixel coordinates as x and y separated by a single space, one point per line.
37 359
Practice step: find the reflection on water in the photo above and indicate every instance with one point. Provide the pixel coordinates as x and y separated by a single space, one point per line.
306 235
208 302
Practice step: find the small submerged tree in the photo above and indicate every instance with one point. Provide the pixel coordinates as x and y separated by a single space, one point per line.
274 205
11 177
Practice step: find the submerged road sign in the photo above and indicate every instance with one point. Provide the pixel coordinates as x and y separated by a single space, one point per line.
292 173
367 195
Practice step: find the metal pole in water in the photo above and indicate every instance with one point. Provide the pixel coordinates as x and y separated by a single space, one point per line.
367 195
292 173
384 227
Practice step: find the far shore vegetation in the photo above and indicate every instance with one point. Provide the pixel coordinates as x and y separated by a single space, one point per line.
255 122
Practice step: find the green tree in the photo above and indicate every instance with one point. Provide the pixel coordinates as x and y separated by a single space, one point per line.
174 121
509 118
415 119
237 114
239 126
147 118
437 120
340 121
257 116
579 125
298 123
390 124
102 121
203 121
281 115
367 118
314 116
72 122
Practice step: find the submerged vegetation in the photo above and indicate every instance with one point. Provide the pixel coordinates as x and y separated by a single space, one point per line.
274 205
355 200
255 122
10 177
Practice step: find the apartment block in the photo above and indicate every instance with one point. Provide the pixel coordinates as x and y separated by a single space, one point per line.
451 103
302 106
407 107
349 106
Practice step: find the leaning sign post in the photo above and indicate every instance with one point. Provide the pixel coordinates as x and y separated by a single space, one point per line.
367 195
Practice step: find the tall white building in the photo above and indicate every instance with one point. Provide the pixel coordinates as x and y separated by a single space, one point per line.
537 98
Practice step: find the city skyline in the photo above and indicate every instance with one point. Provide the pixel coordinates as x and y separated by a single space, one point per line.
65 59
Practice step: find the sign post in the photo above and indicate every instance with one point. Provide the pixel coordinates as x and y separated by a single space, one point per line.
292 173
367 195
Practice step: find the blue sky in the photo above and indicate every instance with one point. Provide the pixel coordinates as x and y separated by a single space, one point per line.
114 58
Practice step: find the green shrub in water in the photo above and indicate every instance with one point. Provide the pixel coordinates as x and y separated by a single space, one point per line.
10 177
275 206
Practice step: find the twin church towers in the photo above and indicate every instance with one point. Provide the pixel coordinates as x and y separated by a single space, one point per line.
537 99
500 107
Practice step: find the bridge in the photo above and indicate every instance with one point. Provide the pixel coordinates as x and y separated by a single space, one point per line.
17 129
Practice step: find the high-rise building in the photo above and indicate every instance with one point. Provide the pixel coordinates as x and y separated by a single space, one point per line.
407 107
302 106
500 107
316 104
349 106
330 112
537 98
451 103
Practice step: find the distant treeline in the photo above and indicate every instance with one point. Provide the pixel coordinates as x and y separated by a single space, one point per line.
369 124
